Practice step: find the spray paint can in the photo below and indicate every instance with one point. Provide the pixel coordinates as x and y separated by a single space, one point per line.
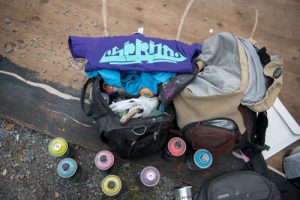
107 89
111 185
146 93
68 168
201 159
104 160
59 147
175 149
110 89
184 193
149 176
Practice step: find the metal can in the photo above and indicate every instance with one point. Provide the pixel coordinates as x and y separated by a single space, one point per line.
150 176
107 88
110 90
175 149
203 158
111 185
104 160
59 147
146 93
68 168
184 193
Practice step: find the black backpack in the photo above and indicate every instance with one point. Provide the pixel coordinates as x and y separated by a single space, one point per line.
139 136
239 186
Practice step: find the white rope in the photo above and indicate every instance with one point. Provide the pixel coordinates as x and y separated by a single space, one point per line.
183 18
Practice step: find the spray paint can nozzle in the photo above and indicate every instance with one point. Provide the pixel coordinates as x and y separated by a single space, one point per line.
104 160
203 158
175 149
149 176
68 168
146 93
111 185
59 147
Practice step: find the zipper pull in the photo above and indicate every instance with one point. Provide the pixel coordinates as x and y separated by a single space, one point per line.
155 135
128 153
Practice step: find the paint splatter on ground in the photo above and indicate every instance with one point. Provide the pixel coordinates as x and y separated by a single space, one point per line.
29 172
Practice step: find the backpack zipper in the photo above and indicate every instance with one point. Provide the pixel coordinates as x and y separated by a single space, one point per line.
132 144
155 135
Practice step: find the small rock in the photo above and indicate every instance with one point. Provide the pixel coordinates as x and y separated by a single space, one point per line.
21 158
9 127
15 165
12 177
66 13
126 165
94 24
23 20
8 21
20 41
9 47
135 188
56 195
5 172
219 24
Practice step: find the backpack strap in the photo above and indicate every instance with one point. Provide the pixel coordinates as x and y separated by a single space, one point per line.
175 85
261 127
86 108
258 136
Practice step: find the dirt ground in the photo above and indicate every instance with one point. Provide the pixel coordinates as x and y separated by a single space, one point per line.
34 33
28 171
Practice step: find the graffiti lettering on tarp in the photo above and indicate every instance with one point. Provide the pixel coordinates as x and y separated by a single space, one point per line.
139 52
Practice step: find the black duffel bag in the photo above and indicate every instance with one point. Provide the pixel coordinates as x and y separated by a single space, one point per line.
139 136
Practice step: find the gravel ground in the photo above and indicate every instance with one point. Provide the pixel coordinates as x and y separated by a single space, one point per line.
28 171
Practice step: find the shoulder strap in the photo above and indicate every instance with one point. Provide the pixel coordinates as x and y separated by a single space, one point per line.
86 108
175 85
261 127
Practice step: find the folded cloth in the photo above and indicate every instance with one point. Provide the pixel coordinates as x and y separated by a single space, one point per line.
134 53
147 105
110 77
132 82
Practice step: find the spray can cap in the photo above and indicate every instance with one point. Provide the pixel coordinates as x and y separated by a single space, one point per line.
67 167
111 185
104 160
176 146
146 93
150 176
58 147
203 158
